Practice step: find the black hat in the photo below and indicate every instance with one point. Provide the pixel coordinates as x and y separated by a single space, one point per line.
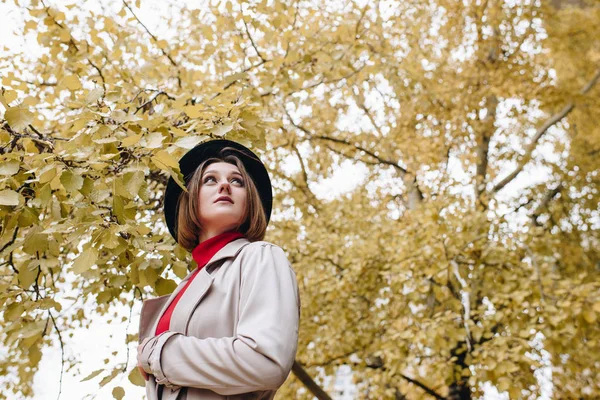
193 158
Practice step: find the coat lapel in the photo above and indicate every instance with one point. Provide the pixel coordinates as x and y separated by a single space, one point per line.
200 286
166 303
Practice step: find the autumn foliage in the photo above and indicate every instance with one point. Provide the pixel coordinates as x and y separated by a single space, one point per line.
469 252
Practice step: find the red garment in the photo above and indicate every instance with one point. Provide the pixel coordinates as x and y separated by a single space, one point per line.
202 255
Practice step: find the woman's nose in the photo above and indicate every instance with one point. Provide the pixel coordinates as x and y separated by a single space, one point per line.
225 187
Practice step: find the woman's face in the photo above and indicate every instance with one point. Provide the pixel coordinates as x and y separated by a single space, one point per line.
222 199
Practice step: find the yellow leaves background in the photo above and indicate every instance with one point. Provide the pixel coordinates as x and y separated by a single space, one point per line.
428 274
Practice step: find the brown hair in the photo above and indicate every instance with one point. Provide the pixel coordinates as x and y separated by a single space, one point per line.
188 223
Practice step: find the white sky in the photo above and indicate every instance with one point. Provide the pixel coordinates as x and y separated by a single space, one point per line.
97 343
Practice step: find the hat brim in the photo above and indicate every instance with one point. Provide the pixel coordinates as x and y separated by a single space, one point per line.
193 158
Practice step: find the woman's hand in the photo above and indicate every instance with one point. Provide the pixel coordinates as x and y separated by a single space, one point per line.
139 364
144 373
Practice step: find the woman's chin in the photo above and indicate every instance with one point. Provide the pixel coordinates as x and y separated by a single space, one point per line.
222 223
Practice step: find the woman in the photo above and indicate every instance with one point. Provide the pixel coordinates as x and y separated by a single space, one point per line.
230 329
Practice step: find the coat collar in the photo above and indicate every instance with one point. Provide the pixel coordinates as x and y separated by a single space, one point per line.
231 249
198 287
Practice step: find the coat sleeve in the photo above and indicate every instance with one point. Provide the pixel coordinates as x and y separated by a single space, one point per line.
260 356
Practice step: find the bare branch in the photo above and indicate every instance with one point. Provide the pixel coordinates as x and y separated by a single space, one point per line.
422 386
252 41
127 328
99 73
309 382
367 112
146 104
360 148
483 144
544 203
62 354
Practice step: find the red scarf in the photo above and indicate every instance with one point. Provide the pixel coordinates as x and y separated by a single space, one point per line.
202 255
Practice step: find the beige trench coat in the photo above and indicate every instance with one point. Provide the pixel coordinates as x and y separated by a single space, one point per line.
233 333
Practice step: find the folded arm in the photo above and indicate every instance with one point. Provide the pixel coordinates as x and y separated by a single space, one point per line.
260 356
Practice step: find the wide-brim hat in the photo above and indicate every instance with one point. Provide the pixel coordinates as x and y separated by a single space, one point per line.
213 148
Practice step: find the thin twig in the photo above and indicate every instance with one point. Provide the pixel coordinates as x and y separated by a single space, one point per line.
252 41
152 99
62 354
156 41
127 328
99 73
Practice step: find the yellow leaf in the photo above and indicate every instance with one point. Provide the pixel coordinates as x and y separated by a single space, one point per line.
27 274
118 392
165 286
190 141
248 119
85 260
71 181
30 25
234 77
153 140
136 378
194 111
94 95
92 375
162 44
132 182
9 197
47 173
18 117
596 307
65 36
13 311
180 269
221 130
9 168
10 95
589 316
177 131
142 229
71 82
131 140
167 159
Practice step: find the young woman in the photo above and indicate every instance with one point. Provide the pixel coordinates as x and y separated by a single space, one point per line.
230 329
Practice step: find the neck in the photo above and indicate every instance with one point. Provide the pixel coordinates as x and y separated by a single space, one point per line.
210 234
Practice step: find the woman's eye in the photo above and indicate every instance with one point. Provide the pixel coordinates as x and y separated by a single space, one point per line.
209 178
238 181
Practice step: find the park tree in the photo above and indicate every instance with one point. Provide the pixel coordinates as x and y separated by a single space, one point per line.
467 253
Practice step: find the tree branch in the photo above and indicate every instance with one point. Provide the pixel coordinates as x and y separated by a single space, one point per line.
62 354
308 382
541 131
99 73
252 40
545 201
483 145
360 148
367 112
173 63
146 104
345 142
422 386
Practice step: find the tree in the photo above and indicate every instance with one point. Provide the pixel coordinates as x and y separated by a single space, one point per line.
453 263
